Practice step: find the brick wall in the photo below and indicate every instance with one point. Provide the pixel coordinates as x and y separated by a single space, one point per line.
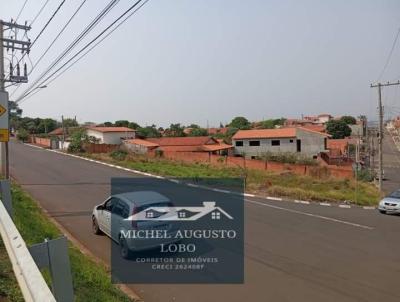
230 161
99 148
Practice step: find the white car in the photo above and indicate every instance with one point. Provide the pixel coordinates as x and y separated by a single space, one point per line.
391 203
117 208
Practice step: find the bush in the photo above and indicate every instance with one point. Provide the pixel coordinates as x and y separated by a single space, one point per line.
365 175
22 135
159 153
119 155
287 158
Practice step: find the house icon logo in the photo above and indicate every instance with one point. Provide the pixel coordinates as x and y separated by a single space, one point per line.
209 208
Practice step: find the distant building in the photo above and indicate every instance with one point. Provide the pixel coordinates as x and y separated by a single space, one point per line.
111 135
253 143
178 144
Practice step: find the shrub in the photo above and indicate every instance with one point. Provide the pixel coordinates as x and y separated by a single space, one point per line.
159 153
365 175
118 155
22 135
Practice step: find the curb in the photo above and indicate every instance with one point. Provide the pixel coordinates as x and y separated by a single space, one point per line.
272 198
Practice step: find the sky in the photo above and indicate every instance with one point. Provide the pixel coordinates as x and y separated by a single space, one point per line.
205 62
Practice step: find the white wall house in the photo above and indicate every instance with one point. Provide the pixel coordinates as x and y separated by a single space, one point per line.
253 143
111 135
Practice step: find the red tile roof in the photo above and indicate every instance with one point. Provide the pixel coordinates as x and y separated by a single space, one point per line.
111 129
183 141
141 142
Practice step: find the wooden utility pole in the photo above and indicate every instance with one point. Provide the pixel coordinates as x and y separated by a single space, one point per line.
380 128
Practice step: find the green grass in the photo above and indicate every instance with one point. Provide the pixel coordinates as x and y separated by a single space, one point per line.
91 280
261 182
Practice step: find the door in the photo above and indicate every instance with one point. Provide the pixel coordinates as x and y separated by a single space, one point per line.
105 216
119 212
298 142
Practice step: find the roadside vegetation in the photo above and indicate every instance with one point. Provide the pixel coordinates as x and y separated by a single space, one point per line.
91 280
286 184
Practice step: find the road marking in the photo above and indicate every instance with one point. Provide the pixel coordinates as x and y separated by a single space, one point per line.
302 201
369 208
311 215
192 185
221 191
325 204
249 195
274 198
345 206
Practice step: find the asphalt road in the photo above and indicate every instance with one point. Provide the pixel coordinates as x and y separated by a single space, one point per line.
293 252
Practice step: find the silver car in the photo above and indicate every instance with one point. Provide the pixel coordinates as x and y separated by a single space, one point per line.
110 218
391 203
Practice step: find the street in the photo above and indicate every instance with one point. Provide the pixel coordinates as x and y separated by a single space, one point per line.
293 252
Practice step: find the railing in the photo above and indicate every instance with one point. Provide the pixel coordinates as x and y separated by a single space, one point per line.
29 277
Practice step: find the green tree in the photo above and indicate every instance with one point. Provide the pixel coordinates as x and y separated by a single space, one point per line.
148 131
70 122
272 123
46 125
240 122
121 123
338 129
22 135
349 120
198 132
133 125
175 130
108 124
77 140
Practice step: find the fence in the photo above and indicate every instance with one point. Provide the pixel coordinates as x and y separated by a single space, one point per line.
230 161
29 277
99 148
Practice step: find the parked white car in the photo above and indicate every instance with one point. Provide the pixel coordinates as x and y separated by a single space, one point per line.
117 208
391 203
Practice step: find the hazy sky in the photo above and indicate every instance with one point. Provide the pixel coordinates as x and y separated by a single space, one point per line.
197 61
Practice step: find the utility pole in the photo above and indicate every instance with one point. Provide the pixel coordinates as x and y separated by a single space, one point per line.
380 128
10 43
63 132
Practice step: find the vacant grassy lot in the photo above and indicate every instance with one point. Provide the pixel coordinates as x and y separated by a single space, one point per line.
91 280
261 182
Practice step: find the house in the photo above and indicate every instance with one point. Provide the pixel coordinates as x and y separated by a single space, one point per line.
189 213
319 119
139 146
111 135
215 131
183 144
253 143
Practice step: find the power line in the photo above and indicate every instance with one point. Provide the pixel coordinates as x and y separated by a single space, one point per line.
74 43
30 94
40 11
390 55
20 11
52 43
40 33
94 22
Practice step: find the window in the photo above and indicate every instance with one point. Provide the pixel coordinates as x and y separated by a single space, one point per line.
239 143
110 204
182 214
254 143
275 142
215 215
291 141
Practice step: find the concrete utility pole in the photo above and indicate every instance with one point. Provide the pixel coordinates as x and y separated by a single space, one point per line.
11 43
380 128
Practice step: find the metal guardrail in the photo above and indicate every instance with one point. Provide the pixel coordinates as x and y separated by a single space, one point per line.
31 282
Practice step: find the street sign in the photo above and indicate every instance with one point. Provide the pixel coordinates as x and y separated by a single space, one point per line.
4 132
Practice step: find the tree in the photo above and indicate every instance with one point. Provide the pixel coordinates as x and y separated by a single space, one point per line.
272 123
240 122
108 124
70 122
121 123
148 131
194 126
133 125
46 125
22 135
349 120
77 140
338 129
198 132
175 130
